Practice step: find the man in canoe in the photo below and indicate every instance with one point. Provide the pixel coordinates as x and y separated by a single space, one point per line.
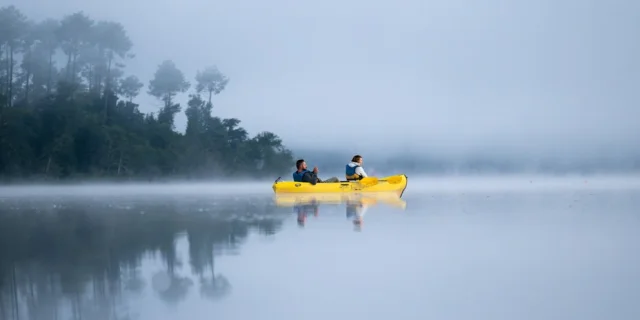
354 169
304 175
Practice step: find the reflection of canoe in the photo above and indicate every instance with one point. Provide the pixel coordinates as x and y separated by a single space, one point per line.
368 199
396 184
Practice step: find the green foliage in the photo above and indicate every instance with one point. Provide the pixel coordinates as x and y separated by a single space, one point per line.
212 81
130 87
167 82
81 121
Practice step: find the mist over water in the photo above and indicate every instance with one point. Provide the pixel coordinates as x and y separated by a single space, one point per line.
526 247
418 184
140 189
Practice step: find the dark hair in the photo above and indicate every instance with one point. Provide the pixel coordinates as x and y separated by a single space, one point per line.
299 163
356 158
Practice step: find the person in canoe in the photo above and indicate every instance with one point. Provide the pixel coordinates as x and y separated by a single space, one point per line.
302 174
354 170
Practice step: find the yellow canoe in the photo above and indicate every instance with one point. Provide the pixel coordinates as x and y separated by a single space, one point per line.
394 184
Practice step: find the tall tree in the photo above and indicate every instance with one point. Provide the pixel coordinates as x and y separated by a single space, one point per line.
74 33
112 41
130 87
13 25
92 67
39 62
46 31
167 81
27 44
212 81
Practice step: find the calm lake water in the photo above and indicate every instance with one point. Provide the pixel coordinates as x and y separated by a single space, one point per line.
517 248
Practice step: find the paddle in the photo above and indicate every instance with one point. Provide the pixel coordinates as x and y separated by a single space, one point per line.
370 181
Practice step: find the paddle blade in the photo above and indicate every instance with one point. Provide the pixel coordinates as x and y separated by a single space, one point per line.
369 181
394 179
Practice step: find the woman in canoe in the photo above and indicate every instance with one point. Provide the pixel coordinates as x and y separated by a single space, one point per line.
354 170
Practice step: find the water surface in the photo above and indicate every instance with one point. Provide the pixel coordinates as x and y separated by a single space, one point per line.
517 249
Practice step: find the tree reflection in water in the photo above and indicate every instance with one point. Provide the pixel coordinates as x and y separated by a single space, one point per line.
81 259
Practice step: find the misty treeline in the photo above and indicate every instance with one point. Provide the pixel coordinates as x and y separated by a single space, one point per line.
67 110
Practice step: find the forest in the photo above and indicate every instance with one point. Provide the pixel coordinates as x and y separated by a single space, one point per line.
68 111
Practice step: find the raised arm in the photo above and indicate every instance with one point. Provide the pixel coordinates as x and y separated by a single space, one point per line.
310 177
361 172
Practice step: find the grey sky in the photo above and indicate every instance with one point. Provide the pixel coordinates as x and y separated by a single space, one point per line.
450 75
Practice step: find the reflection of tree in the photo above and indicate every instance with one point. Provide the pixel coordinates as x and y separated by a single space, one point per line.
269 227
171 288
133 281
216 287
86 255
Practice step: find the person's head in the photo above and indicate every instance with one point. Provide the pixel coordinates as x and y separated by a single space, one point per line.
357 159
301 165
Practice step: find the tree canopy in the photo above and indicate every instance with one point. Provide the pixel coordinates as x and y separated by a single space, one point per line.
75 116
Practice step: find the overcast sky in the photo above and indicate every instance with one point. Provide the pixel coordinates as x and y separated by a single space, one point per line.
451 75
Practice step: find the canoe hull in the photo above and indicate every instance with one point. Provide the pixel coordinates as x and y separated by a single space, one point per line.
344 186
